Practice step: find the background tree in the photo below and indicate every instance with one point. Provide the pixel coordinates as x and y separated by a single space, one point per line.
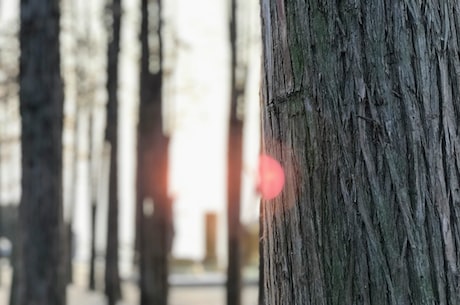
361 104
41 272
154 213
234 164
112 277
87 108
93 195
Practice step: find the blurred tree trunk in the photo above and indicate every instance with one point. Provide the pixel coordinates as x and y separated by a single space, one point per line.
41 271
68 236
73 198
112 276
361 106
234 170
92 190
92 259
154 211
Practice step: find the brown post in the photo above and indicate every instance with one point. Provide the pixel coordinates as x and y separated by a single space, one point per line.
210 259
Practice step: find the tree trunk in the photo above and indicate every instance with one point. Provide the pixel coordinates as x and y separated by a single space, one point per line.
233 213
92 258
41 271
68 221
154 210
112 277
93 190
234 169
361 107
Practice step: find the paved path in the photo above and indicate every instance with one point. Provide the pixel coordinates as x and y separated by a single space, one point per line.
179 295
196 295
214 295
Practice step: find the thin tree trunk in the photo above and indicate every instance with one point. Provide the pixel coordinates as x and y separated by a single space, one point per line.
112 276
361 106
233 214
234 170
73 197
92 259
154 211
68 251
93 188
41 273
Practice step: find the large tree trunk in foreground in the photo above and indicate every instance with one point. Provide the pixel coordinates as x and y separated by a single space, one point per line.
112 276
41 272
154 210
361 104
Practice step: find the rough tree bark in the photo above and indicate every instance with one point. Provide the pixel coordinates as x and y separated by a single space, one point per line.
41 272
154 209
112 276
361 104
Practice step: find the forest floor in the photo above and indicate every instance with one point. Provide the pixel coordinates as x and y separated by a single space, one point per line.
182 292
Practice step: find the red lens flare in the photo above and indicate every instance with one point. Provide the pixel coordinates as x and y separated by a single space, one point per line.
271 177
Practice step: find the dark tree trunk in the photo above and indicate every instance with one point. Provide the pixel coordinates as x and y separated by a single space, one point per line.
41 273
92 259
68 251
112 277
362 108
93 189
154 211
233 213
234 170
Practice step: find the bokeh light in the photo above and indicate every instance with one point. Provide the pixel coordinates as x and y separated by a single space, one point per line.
271 177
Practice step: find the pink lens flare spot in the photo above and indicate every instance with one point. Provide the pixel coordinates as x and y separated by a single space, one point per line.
271 177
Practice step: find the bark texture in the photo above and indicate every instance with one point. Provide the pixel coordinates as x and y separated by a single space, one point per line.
112 274
154 207
40 273
361 104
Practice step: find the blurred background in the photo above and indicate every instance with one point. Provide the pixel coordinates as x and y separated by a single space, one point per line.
210 84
